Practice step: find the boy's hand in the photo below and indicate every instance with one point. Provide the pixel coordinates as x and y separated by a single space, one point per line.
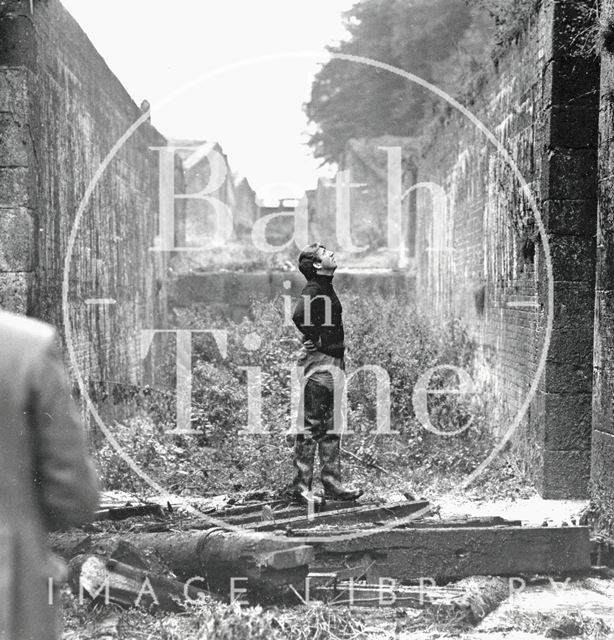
309 345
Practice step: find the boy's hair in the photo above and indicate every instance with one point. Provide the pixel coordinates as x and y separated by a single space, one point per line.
307 257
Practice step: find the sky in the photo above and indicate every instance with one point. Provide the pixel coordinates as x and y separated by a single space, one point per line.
231 71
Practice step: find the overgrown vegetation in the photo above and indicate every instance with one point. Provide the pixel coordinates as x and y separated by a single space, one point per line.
510 17
224 457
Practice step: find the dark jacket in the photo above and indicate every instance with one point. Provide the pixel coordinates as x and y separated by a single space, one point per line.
318 301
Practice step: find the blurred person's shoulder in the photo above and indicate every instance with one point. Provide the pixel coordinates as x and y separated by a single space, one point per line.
15 327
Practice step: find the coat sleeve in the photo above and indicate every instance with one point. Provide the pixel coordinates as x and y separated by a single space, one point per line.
63 472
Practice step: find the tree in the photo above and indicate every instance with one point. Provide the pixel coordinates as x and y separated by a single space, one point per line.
354 100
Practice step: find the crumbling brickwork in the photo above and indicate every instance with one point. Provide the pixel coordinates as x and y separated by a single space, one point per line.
61 112
483 258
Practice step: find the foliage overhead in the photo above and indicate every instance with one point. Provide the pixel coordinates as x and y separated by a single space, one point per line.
355 100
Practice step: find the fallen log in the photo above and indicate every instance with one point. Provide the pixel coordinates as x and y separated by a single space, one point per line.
359 514
118 583
449 553
264 564
219 555
480 595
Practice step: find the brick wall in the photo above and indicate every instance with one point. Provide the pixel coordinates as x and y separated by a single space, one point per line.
482 258
61 111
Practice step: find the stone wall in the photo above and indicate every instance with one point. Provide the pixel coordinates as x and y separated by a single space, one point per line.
61 112
480 255
603 382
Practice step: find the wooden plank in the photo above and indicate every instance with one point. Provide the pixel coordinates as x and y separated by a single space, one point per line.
451 523
368 513
128 511
289 511
416 524
254 507
449 553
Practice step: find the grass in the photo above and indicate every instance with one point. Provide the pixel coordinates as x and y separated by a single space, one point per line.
572 623
318 621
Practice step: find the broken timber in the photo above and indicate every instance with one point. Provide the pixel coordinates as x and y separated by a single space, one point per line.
358 514
286 511
449 553
118 583
121 512
218 555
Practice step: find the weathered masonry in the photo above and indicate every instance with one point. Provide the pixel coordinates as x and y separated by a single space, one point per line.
484 258
61 111
602 471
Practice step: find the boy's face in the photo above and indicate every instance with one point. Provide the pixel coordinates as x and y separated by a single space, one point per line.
327 259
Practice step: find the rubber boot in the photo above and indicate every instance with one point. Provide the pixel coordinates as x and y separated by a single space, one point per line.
304 453
334 489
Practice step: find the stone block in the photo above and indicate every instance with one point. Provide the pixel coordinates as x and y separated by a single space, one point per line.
572 345
17 36
605 239
603 400
570 174
565 377
573 259
573 127
13 90
602 473
570 217
568 422
16 239
573 303
566 475
14 290
605 267
572 81
604 327
15 187
14 142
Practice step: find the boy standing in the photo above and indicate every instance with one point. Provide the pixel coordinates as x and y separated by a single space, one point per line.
318 316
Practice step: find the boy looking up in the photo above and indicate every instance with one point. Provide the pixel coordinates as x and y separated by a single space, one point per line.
318 316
